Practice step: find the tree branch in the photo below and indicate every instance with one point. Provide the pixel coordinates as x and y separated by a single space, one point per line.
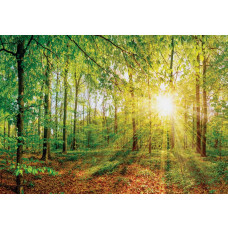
31 38
10 52
46 48
123 50
87 54
94 61
3 49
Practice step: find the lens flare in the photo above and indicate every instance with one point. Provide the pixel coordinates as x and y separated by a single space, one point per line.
164 105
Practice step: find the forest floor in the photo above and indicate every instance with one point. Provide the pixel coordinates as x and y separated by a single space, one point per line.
124 172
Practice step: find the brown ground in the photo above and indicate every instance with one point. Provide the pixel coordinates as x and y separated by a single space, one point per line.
73 178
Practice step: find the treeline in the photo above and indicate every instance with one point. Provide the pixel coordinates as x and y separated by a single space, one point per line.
70 92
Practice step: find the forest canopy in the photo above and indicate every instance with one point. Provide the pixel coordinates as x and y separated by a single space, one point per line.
152 104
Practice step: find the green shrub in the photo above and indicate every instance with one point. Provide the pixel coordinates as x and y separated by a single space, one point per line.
107 167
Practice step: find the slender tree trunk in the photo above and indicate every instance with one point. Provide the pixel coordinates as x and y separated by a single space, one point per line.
4 141
56 111
107 127
216 139
74 145
125 125
185 124
88 119
198 130
9 135
65 109
104 117
95 109
116 119
204 124
20 116
39 126
150 115
39 121
193 124
83 113
172 137
116 109
134 127
47 114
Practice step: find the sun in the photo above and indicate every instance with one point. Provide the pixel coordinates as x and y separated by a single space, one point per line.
164 105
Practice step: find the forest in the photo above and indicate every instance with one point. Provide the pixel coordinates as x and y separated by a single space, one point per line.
114 114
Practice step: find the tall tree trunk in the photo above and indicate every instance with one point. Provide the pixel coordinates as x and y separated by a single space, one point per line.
95 109
74 145
65 109
185 124
4 140
104 117
116 109
88 119
56 110
107 127
198 130
204 124
172 137
125 125
134 127
150 115
47 113
20 116
83 116
39 126
216 139
116 119
193 124
39 120
9 134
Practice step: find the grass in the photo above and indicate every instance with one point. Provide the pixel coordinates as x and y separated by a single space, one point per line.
107 167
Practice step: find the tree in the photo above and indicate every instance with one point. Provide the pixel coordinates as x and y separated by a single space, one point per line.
47 114
204 127
19 55
65 106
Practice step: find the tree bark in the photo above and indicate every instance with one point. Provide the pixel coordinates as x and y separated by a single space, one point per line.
39 120
116 119
4 140
77 81
193 124
116 109
216 139
185 124
198 130
56 111
150 116
204 124
9 134
134 127
20 116
172 137
47 114
65 109
104 116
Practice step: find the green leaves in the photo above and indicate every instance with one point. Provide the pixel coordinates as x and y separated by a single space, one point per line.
18 172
